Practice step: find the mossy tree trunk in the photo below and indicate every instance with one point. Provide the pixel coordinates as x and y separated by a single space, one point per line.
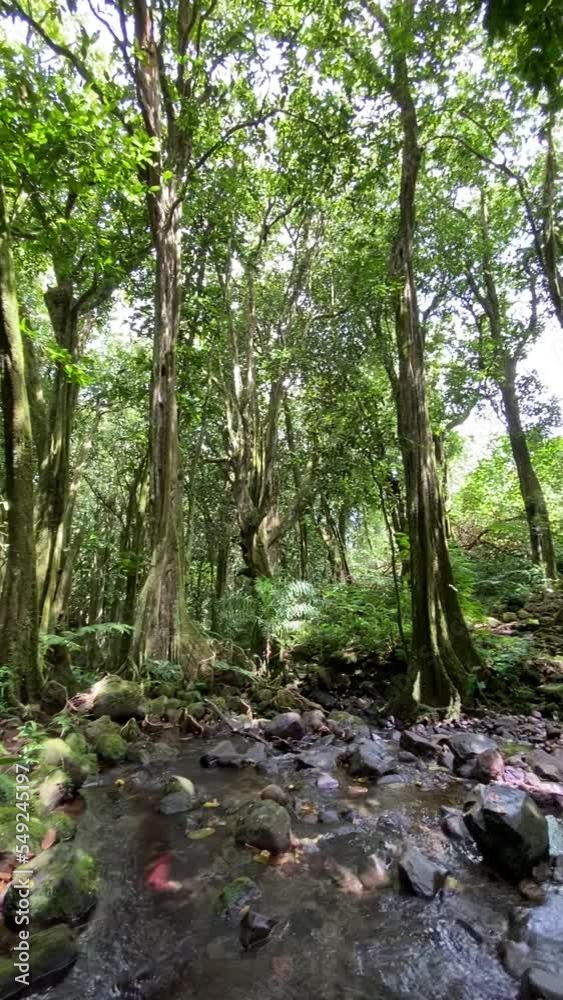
19 617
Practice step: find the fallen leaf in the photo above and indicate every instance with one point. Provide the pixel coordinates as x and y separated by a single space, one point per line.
262 857
119 782
356 790
212 804
201 834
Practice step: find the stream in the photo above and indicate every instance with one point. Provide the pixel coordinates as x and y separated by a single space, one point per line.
140 944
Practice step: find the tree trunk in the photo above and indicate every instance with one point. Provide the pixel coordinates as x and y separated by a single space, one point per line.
19 617
54 474
442 649
541 541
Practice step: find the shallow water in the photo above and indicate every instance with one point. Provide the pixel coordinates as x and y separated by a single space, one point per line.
143 945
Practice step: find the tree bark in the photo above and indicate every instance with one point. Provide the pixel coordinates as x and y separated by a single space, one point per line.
19 615
442 649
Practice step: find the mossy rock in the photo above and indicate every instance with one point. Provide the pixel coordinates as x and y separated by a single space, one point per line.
56 788
197 710
131 731
157 689
157 706
65 883
51 953
64 825
554 692
107 740
8 832
350 723
119 699
237 894
265 826
177 783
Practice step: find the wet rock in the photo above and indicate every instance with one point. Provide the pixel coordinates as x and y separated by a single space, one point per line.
421 875
393 779
175 802
547 765
328 816
255 754
255 928
453 825
370 761
224 754
276 794
237 894
466 746
314 720
540 984
119 699
516 957
131 731
349 725
530 890
286 726
327 782
265 826
51 954
488 766
107 740
555 834
64 886
406 757
323 758
153 753
509 830
418 744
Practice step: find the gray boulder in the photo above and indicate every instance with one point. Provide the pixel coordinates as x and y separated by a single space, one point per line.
509 830
286 726
369 760
265 826
540 984
418 744
118 698
466 746
419 874
224 754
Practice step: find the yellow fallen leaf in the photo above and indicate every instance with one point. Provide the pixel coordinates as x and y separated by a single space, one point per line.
212 804
262 857
204 831
119 782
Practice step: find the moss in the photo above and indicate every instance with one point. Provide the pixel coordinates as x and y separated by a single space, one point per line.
7 790
65 883
51 951
56 788
131 731
8 832
64 825
237 893
197 710
119 699
177 783
107 740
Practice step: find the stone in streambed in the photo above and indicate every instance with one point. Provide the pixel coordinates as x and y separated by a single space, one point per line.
466 746
350 726
453 824
286 726
119 699
417 743
370 761
421 875
541 984
107 740
175 802
265 826
509 830
237 894
275 794
314 720
224 754
488 766
64 886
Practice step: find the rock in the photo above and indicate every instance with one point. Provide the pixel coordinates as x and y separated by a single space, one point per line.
107 740
177 783
275 794
350 725
406 757
254 927
509 830
421 875
466 746
130 731
508 617
327 782
547 765
119 699
418 744
488 766
51 954
153 753
328 816
369 761
56 788
516 957
555 835
453 825
286 726
237 894
540 984
175 802
265 826
492 622
64 886
523 614
552 730
314 720
323 758
530 890
224 754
